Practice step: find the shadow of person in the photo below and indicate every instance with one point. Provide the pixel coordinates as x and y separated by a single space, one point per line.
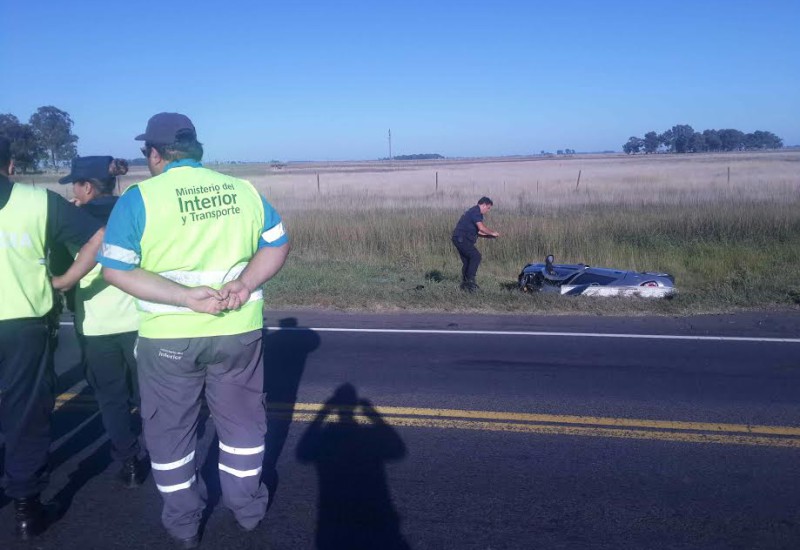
355 509
90 467
285 354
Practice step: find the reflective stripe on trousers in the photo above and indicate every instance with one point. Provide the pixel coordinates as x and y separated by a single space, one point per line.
241 462
176 475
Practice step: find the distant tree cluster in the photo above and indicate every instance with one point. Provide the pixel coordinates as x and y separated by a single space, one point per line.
558 152
684 139
419 156
47 138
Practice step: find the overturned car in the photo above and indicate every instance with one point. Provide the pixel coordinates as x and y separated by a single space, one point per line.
581 279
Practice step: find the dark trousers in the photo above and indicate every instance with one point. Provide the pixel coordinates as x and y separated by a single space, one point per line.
27 397
470 258
111 372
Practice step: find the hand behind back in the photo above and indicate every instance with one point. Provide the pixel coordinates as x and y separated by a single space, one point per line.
235 293
203 299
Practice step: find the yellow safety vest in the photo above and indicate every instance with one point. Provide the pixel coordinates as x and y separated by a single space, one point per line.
102 309
201 228
27 291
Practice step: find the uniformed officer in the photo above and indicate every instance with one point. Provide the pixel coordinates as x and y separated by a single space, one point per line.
194 247
469 227
107 321
32 219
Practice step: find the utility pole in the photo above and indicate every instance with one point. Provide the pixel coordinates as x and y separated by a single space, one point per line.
390 144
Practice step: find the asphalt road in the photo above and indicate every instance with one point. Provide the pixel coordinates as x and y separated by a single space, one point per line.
485 432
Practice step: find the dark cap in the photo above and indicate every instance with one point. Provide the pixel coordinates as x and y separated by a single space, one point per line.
165 128
88 168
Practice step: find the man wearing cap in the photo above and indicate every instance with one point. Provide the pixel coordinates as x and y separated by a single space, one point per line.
194 247
31 221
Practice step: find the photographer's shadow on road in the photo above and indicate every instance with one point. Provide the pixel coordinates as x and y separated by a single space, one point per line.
355 509
285 352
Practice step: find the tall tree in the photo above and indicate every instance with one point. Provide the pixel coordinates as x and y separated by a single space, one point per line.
731 139
25 148
666 139
681 137
651 142
53 129
713 143
761 139
634 145
697 143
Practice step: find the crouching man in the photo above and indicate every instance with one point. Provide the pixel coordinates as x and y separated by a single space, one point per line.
469 227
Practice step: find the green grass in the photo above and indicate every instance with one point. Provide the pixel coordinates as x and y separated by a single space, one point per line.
724 256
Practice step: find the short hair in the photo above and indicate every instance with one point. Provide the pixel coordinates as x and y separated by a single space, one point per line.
5 152
185 146
485 200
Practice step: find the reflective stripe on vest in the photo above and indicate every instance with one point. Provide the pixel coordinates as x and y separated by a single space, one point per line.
27 291
201 228
197 278
102 309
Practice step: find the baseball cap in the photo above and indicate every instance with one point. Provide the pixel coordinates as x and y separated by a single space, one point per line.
87 168
165 128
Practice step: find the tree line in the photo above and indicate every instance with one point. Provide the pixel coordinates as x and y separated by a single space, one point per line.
45 140
418 156
684 139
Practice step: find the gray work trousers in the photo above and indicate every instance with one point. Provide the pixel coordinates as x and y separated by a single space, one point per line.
172 374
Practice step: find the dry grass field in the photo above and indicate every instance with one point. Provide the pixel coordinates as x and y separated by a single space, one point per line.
376 235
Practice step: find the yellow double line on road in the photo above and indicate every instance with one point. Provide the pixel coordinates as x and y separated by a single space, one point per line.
551 424
541 424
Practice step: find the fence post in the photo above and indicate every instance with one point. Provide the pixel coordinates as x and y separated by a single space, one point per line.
729 175
317 182
579 180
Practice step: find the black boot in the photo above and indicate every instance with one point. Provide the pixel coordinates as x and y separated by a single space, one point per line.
30 517
132 473
469 285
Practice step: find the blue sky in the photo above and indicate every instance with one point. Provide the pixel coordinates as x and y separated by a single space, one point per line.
323 80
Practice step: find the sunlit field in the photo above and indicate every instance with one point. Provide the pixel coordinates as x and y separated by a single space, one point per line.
377 235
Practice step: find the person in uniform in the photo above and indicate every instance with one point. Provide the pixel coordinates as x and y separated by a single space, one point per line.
31 220
469 227
194 247
107 322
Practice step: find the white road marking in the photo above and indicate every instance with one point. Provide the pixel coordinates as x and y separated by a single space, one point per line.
549 334
541 334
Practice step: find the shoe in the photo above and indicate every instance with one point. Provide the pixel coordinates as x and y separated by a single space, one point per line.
188 543
132 473
32 517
